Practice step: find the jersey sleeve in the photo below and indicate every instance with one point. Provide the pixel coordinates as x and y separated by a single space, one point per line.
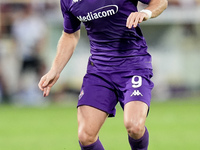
71 24
145 1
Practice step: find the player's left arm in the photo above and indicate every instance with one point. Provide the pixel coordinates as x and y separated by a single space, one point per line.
154 9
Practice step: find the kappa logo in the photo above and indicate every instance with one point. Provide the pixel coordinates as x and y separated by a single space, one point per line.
136 93
75 1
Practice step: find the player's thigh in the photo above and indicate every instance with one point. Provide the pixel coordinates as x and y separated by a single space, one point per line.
135 113
90 120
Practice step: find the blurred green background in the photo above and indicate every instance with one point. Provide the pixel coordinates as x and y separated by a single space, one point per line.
172 125
29 32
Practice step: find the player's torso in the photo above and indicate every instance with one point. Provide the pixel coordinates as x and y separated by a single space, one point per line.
107 16
112 43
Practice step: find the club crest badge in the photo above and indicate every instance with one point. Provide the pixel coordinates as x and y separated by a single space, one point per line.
81 94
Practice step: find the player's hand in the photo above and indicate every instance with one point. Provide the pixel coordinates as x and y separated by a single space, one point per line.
134 18
47 81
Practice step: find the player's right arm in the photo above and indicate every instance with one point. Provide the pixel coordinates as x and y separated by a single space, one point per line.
65 49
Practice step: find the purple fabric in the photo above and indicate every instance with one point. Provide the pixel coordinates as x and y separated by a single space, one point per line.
140 144
103 90
112 44
95 146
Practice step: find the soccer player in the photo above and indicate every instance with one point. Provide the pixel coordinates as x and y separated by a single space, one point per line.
119 68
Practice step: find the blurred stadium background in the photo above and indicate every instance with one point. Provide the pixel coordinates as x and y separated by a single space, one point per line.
29 31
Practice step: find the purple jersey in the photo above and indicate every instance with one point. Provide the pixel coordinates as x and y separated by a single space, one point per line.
113 45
